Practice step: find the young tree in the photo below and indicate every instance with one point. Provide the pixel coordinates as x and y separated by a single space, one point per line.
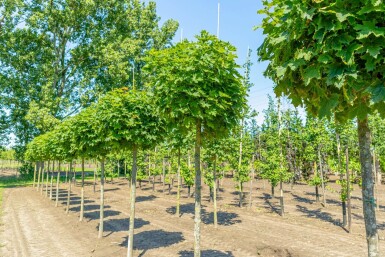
328 56
127 119
196 86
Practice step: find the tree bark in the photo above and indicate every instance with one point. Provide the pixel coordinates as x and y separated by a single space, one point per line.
281 198
178 189
34 174
57 186
348 191
101 219
322 177
251 182
367 188
39 175
130 241
215 193
68 197
46 181
198 185
82 194
341 179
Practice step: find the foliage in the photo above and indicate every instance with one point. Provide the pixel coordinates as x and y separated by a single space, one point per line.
197 81
26 170
327 56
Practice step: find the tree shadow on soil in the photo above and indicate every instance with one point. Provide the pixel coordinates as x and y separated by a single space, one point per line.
318 214
153 239
118 225
145 198
273 208
94 215
224 218
206 253
302 199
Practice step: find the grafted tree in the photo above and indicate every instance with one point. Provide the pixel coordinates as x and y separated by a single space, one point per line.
127 119
197 87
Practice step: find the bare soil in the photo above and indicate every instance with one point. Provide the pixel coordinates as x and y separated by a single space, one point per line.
32 226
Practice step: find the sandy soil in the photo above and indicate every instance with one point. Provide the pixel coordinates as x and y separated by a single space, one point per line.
32 226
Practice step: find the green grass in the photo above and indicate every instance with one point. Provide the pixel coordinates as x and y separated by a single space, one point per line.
12 181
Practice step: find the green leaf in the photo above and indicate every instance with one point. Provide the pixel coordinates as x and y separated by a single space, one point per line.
328 106
310 73
378 93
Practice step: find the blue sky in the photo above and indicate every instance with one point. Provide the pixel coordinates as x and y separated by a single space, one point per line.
237 20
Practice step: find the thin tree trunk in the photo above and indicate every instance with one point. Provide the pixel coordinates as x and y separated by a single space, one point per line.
101 219
281 198
272 191
68 197
178 189
198 185
82 194
215 193
34 174
240 166
42 180
163 174
57 186
251 182
47 179
367 188
344 220
130 241
240 194
316 194
95 179
348 191
322 177
51 186
39 175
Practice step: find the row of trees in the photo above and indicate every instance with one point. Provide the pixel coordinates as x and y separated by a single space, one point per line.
194 92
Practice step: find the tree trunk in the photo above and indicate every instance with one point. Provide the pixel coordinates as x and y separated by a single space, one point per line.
39 175
34 174
198 185
341 179
57 186
42 179
251 182
215 193
130 241
348 191
367 188
68 197
188 191
240 194
82 194
272 191
322 177
47 179
95 170
163 174
316 194
51 186
178 189
281 198
101 216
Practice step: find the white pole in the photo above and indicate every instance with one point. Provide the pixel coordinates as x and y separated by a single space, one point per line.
219 9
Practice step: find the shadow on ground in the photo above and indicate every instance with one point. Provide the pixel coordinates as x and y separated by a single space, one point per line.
224 218
207 253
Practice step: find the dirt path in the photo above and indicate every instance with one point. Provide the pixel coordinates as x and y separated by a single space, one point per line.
34 227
